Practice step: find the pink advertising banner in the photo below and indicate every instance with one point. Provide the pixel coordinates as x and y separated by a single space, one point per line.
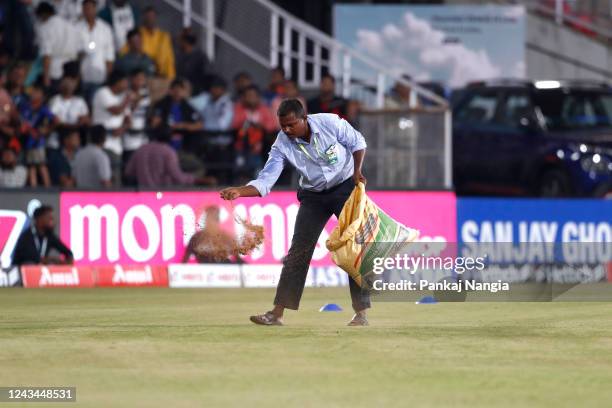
154 228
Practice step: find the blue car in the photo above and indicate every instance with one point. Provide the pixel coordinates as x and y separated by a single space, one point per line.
541 138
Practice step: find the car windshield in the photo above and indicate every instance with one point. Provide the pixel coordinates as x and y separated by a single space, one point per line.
575 109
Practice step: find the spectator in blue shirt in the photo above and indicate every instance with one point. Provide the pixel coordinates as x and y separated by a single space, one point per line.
328 154
37 122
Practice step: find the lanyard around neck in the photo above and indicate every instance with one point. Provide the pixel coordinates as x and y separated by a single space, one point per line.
316 145
41 247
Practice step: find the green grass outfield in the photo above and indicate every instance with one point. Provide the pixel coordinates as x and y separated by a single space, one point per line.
196 348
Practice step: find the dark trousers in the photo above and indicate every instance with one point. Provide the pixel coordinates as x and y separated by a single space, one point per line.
315 210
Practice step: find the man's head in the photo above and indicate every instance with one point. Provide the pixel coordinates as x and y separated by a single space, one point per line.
138 79
292 118
251 97
178 90
37 95
90 9
161 134
277 76
18 74
291 89
67 86
44 11
218 87
71 139
327 86
242 80
8 160
149 19
134 41
97 135
44 221
187 39
117 81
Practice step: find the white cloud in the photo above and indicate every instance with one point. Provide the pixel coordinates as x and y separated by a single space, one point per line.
415 47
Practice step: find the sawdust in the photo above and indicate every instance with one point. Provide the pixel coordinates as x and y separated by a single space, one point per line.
217 245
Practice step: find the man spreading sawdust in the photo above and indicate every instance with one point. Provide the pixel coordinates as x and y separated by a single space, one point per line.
328 153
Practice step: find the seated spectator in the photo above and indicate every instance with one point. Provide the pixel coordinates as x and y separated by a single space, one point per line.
12 174
290 91
157 44
37 123
276 85
37 243
122 17
191 63
16 85
156 164
97 49
219 111
92 166
134 58
175 113
252 121
60 160
9 122
141 102
111 109
58 43
70 110
241 81
327 101
217 114
401 96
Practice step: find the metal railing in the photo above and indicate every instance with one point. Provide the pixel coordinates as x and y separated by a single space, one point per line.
270 36
408 148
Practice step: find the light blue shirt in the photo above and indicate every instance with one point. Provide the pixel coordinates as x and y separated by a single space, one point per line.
217 115
328 160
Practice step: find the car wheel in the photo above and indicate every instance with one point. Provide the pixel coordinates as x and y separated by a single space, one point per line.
554 183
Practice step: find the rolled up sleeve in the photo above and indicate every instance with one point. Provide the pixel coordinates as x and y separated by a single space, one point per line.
349 137
270 173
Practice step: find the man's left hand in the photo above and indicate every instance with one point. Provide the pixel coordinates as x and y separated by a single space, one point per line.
359 178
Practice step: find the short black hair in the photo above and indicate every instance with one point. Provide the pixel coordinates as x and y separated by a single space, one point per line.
97 134
189 37
41 211
328 76
177 82
137 71
252 88
279 69
115 77
149 9
218 82
44 9
289 106
131 33
161 134
94 2
242 74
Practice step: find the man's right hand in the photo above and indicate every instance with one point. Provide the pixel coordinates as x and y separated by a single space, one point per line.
230 193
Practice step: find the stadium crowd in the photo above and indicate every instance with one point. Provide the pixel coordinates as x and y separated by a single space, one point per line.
95 95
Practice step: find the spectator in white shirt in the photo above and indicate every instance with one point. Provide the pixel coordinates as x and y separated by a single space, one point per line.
141 102
58 42
70 110
92 167
111 109
122 17
97 48
12 175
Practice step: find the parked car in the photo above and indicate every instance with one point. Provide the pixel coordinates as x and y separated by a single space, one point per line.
542 138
